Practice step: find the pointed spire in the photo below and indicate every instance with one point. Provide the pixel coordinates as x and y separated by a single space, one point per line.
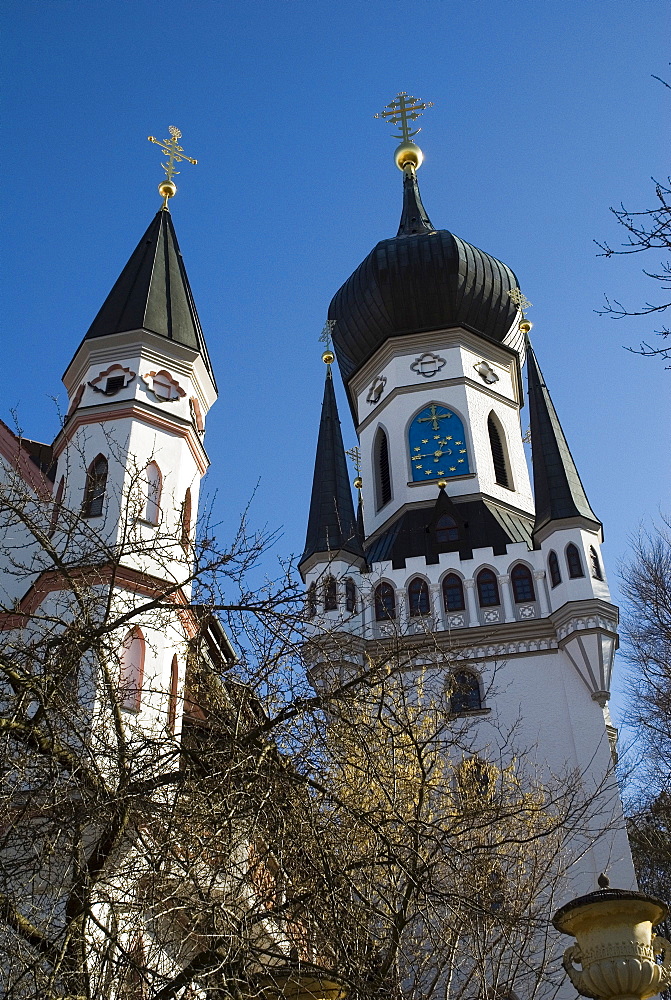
332 526
414 218
153 293
558 491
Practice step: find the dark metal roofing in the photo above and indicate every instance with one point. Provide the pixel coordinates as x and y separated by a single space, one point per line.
332 525
558 491
423 279
481 525
153 293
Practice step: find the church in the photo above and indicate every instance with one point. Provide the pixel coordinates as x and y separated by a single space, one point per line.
450 551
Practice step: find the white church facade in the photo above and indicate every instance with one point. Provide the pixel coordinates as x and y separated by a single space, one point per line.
451 550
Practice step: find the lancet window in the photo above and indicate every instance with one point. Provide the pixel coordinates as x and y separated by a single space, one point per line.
574 562
595 564
385 602
132 670
96 485
418 597
488 589
555 572
153 482
350 595
453 593
382 469
523 584
330 594
496 443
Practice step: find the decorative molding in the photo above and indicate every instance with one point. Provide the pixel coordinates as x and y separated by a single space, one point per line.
115 371
164 387
197 415
486 372
428 364
376 389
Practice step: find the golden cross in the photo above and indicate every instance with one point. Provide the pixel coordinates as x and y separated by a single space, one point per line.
520 300
434 418
402 110
176 154
355 455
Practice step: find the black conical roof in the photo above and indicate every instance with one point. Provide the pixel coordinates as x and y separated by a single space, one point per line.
153 292
332 525
423 279
558 491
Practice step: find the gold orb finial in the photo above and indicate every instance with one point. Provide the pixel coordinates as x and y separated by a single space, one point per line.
525 326
408 154
358 483
403 110
167 189
442 483
328 357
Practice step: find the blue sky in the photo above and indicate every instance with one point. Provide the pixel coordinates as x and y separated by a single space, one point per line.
545 115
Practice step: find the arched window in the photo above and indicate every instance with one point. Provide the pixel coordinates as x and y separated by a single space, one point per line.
595 564
382 469
553 566
385 602
498 452
453 593
488 589
350 595
446 530
311 601
185 532
132 669
153 481
418 597
96 483
56 509
523 584
330 594
574 562
172 696
437 444
465 693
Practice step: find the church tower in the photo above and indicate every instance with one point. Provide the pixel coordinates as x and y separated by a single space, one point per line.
454 549
130 455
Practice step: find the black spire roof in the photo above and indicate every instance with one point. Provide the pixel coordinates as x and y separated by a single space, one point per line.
153 293
423 279
332 525
558 491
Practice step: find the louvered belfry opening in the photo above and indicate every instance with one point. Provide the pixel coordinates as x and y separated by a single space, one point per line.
498 454
383 471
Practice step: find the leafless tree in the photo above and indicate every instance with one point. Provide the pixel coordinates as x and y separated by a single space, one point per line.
258 824
647 630
647 230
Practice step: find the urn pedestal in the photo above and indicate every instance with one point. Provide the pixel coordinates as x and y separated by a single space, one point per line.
615 953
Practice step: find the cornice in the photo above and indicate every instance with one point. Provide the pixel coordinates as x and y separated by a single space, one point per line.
445 383
135 410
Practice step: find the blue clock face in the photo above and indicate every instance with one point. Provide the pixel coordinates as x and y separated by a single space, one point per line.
437 445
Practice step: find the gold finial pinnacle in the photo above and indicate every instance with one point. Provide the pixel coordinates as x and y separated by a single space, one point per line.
400 112
328 357
175 153
522 303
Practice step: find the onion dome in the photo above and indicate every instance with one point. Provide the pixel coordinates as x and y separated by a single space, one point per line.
424 279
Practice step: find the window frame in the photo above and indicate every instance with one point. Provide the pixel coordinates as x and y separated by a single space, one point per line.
494 582
443 587
576 570
554 569
95 490
130 693
423 592
384 611
473 688
521 572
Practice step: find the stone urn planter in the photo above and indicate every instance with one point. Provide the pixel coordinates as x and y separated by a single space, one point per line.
303 982
615 953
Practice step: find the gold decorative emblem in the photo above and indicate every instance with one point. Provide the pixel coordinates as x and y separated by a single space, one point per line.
175 153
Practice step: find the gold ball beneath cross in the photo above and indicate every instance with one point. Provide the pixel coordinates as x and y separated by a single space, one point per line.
328 357
167 189
408 154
